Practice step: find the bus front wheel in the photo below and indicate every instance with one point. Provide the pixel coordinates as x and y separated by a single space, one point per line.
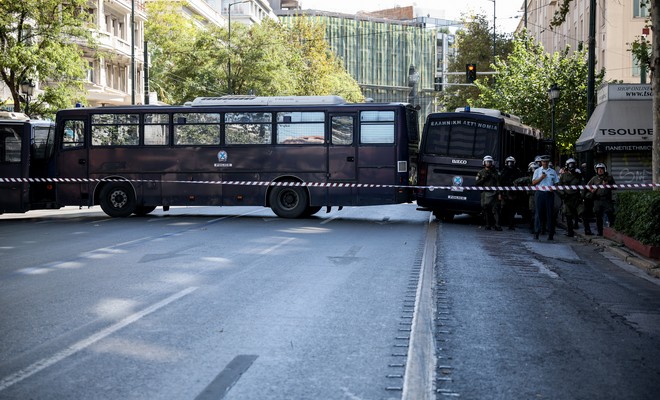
118 199
289 202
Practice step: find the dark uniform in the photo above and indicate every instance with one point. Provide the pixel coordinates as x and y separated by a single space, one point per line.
490 204
510 198
528 213
571 198
602 197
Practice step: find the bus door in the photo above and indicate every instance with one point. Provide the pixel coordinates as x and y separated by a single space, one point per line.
73 163
42 194
342 153
14 163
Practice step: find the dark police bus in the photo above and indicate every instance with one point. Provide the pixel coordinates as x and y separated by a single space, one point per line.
293 154
452 147
26 146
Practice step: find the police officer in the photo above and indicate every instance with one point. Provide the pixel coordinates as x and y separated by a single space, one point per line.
544 197
526 180
572 199
510 198
602 197
489 198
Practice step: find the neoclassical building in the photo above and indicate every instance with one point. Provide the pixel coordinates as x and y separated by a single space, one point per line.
618 23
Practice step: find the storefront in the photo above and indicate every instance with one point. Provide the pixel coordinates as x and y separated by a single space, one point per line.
620 133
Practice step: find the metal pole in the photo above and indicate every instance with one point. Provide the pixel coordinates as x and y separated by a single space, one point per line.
229 49
494 36
229 89
146 73
133 52
552 130
591 60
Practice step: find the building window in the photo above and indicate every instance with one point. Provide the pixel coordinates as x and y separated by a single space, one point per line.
640 10
636 70
90 71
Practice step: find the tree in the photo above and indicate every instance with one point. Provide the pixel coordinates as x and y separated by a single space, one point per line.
267 59
474 45
647 56
316 68
186 60
522 83
38 41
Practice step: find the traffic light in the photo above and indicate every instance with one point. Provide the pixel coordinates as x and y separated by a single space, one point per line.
438 84
470 73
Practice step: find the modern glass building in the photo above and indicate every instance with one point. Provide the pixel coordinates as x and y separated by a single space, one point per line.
392 61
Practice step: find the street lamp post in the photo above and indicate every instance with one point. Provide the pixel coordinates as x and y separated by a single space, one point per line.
494 32
553 94
27 88
229 89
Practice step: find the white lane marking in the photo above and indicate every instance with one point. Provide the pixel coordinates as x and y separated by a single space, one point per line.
277 246
232 216
76 347
327 221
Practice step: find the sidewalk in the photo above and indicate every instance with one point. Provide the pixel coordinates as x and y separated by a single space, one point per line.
649 265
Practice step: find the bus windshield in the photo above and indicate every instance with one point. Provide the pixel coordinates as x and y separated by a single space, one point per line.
461 138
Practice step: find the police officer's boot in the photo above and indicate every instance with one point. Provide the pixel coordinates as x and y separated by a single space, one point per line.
569 226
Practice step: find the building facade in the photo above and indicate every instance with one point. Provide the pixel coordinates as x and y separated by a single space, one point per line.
618 23
116 66
392 60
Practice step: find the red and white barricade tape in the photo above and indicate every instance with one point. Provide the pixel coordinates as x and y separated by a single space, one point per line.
336 184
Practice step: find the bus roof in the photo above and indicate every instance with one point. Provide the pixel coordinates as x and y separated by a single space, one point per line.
266 101
13 115
491 112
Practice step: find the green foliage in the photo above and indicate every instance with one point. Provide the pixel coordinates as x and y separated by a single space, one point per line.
638 216
522 84
267 59
38 41
560 15
474 45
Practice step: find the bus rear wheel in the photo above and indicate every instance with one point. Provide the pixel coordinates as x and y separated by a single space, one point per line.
289 202
118 199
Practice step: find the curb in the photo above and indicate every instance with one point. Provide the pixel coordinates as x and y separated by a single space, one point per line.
650 266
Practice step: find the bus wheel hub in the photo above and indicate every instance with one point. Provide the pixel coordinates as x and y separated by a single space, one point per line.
118 199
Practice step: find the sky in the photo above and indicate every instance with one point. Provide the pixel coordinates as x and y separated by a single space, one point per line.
505 10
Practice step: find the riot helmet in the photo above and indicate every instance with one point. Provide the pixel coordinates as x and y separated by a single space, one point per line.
600 165
510 162
571 164
531 166
488 161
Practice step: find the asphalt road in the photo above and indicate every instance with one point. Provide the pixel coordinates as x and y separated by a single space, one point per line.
520 318
207 303
234 303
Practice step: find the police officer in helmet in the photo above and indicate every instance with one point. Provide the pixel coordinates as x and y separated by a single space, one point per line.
490 199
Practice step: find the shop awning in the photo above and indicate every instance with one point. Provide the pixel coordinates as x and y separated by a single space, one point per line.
618 126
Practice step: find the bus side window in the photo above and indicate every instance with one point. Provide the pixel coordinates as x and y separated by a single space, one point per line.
342 130
377 127
73 134
10 146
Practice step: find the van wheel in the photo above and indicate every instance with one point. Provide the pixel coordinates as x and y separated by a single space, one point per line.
118 199
443 215
289 202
